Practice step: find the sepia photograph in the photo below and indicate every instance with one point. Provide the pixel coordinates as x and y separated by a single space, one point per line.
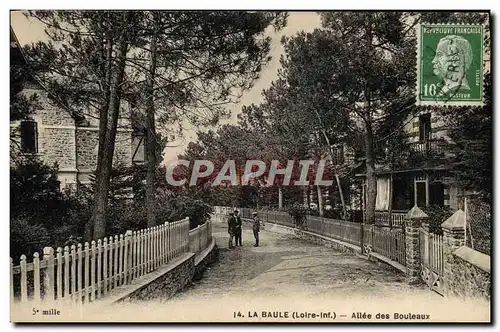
235 166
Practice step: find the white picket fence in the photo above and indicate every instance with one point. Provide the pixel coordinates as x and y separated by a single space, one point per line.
83 274
200 237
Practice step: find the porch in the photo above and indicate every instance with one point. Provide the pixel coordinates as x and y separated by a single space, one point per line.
398 192
390 218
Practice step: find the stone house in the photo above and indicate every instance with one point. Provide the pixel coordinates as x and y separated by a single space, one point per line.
68 139
416 173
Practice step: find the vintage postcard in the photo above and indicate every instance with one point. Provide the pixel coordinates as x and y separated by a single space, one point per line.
250 166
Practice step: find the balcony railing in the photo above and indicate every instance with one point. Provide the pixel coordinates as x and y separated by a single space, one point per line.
382 218
427 148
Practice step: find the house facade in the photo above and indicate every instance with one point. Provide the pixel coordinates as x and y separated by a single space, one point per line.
417 173
68 139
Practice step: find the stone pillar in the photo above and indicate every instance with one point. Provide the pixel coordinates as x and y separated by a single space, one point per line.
454 230
425 225
413 222
453 238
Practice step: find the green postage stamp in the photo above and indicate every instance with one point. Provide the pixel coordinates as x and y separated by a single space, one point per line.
450 64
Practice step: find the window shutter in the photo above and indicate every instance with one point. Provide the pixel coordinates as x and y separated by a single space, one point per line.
137 149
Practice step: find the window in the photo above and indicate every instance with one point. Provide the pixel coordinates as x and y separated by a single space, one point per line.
425 127
421 194
436 193
403 197
29 136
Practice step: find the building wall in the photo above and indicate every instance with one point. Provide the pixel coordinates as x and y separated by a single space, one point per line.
73 148
55 133
438 126
57 145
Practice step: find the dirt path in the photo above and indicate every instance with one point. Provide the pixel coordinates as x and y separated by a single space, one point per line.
284 276
284 264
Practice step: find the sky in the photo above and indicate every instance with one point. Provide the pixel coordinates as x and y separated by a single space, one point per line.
29 31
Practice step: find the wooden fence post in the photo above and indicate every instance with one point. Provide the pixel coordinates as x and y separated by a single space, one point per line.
36 277
167 239
155 247
92 271
120 260
128 236
133 256
48 276
99 267
105 275
66 273
362 244
11 268
80 274
141 252
115 264
86 272
24 282
59 289
73 272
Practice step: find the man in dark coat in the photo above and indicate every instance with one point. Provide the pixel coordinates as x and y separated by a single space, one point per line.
237 234
231 228
256 228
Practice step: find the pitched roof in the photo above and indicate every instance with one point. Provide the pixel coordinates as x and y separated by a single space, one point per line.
17 54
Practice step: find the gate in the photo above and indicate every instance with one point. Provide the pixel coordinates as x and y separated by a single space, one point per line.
432 260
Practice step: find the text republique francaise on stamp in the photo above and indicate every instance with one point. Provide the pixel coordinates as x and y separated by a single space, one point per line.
450 64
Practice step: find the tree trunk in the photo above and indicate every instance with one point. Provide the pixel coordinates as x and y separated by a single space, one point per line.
320 201
308 197
104 172
150 141
305 194
280 197
391 189
371 181
341 193
103 119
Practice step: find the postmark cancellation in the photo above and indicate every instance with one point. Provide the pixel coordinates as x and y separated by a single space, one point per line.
450 64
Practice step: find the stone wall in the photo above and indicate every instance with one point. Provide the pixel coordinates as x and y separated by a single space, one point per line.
208 260
329 243
50 114
466 274
73 148
123 148
466 271
166 285
57 145
437 124
87 144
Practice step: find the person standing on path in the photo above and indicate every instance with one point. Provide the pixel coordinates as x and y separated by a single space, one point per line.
231 229
237 234
256 228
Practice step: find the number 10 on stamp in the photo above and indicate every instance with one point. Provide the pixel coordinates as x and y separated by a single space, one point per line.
450 64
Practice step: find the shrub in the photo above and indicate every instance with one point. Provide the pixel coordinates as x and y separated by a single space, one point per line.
437 215
26 238
41 214
298 213
180 207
